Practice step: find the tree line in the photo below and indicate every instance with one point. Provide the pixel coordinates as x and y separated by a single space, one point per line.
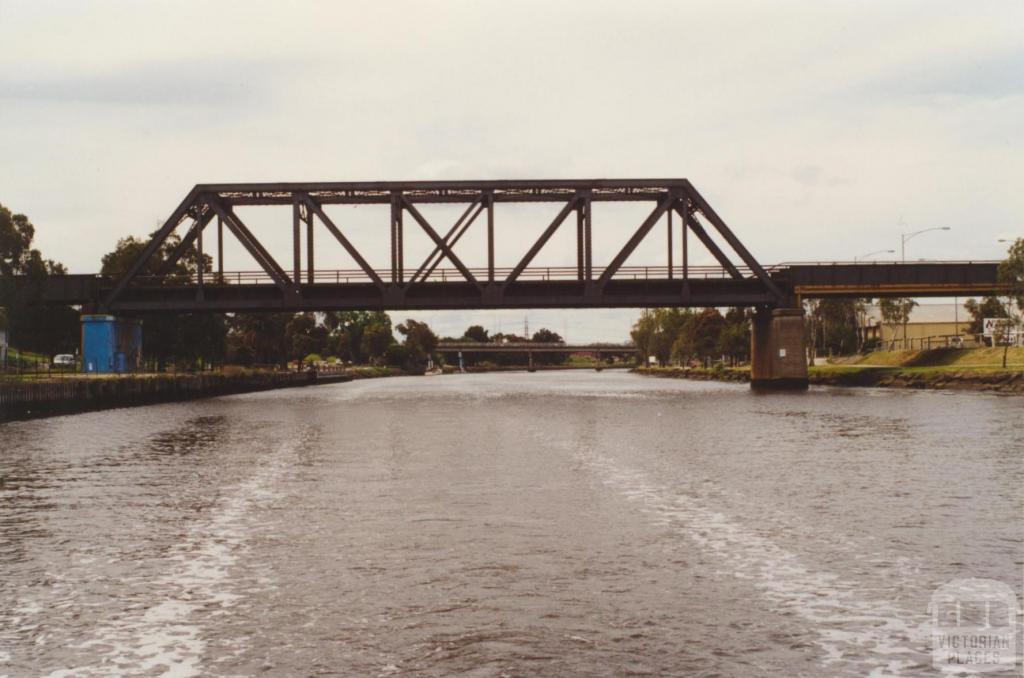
29 325
684 336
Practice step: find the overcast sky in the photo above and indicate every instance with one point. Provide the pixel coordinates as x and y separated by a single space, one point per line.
814 128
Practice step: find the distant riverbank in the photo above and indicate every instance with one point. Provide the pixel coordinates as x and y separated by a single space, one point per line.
476 369
956 369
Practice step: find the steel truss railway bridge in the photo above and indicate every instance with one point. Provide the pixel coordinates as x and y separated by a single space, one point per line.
688 222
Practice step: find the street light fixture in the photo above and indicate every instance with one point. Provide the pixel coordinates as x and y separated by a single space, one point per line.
871 254
904 237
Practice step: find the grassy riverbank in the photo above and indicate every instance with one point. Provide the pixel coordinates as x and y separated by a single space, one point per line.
959 369
962 358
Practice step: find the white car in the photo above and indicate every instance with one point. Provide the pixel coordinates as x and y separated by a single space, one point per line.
64 360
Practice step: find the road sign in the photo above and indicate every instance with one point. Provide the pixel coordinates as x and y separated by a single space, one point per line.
990 327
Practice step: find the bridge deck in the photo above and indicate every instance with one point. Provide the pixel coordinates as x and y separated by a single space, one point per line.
539 287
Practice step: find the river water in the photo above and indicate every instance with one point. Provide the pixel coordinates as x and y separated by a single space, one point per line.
504 525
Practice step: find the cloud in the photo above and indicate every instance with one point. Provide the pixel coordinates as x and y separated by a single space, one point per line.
186 83
985 76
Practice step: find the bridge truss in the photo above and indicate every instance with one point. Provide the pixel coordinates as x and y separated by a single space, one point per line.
689 219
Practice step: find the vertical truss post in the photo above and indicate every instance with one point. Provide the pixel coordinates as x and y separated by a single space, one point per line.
296 240
394 243
686 253
588 270
310 251
220 250
580 241
200 264
401 243
397 260
490 236
669 215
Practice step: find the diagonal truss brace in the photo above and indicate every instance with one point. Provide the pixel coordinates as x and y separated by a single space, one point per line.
258 252
452 237
349 247
154 244
709 213
638 236
190 238
698 230
438 241
542 240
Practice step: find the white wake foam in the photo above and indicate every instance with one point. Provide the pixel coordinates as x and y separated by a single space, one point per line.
168 636
888 640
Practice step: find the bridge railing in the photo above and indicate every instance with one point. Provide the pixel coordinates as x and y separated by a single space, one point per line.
542 273
345 276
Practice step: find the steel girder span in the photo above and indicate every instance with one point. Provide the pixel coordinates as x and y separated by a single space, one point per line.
688 221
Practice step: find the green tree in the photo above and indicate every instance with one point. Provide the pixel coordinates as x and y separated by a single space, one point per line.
476 333
16 234
734 339
259 338
346 330
420 344
669 323
860 316
832 325
988 307
896 313
377 336
642 335
546 336
304 336
656 332
707 329
1011 273
31 325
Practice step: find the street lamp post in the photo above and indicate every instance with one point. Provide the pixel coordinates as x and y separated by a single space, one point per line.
871 254
904 237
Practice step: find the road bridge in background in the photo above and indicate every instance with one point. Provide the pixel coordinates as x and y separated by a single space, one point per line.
599 351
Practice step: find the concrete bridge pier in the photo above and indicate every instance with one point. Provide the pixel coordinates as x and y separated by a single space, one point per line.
778 349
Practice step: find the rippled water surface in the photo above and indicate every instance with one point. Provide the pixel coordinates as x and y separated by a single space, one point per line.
517 524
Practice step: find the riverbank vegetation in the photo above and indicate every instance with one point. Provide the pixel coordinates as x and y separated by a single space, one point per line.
35 328
965 369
